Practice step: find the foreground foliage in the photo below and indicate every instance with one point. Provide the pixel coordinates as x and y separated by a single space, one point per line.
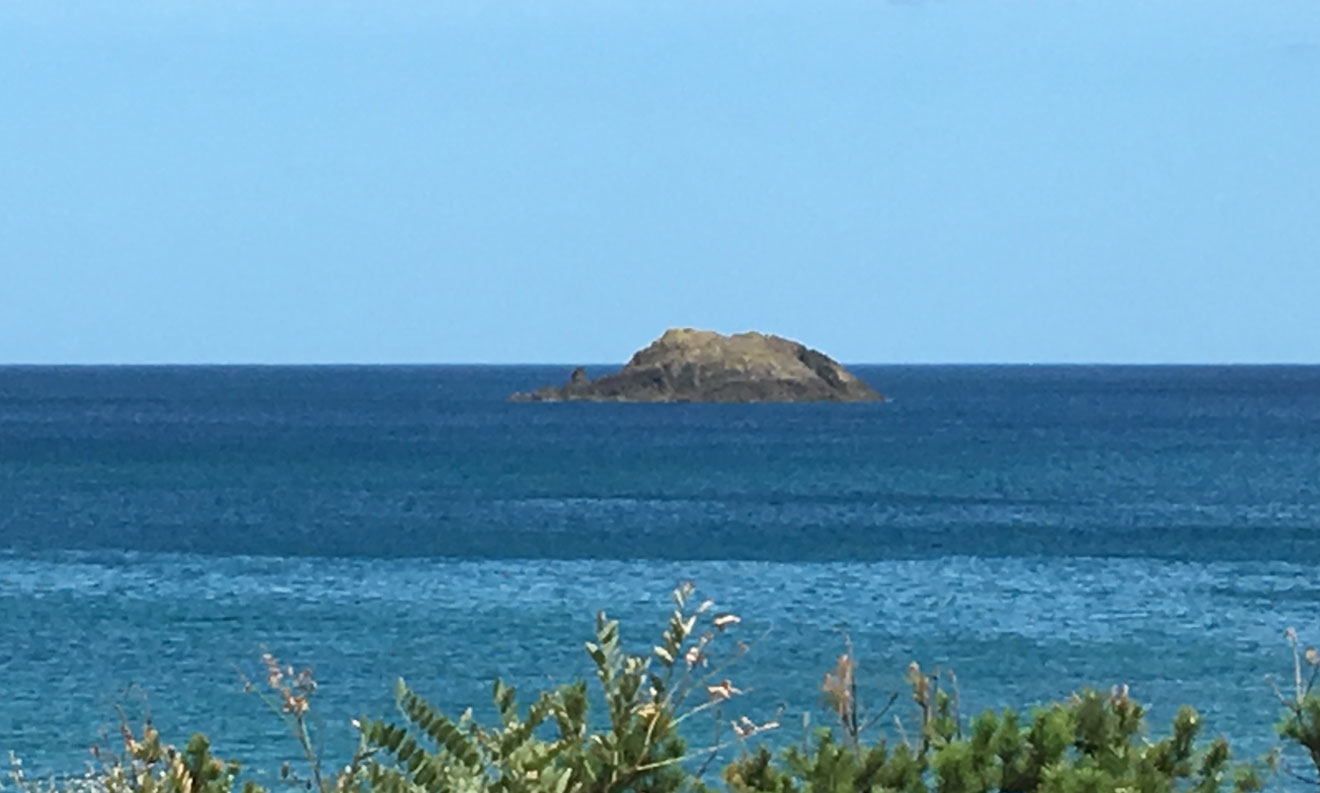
628 731
638 748
1091 743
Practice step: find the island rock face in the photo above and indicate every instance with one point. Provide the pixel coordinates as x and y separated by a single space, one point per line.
686 365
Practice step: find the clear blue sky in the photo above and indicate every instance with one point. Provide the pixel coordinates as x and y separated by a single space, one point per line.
525 181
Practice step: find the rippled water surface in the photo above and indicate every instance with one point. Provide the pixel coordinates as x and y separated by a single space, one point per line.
1035 528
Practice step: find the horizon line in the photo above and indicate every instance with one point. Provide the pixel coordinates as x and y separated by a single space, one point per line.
422 364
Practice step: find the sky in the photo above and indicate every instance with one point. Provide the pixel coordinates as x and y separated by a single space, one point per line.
942 181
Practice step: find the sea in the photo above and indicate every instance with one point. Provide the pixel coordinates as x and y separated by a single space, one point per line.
1035 530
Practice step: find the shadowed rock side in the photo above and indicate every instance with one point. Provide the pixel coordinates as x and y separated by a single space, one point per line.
686 365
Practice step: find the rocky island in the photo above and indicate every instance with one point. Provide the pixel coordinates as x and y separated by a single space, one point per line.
686 365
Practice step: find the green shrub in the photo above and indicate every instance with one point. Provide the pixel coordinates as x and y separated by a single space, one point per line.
1300 722
1090 743
552 746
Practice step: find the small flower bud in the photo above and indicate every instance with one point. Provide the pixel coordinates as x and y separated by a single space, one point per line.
723 691
725 620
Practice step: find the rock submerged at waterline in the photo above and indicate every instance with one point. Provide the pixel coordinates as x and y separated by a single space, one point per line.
686 365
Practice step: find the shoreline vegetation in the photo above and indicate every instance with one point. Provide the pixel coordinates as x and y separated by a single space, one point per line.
668 721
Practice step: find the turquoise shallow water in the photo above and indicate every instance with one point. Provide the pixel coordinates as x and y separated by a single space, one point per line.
1036 529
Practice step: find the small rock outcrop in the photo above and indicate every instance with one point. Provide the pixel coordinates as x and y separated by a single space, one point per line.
686 365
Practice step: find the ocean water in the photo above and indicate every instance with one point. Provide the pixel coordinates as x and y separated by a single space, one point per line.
1036 529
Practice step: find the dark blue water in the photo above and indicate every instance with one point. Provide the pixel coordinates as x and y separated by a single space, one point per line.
1035 528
